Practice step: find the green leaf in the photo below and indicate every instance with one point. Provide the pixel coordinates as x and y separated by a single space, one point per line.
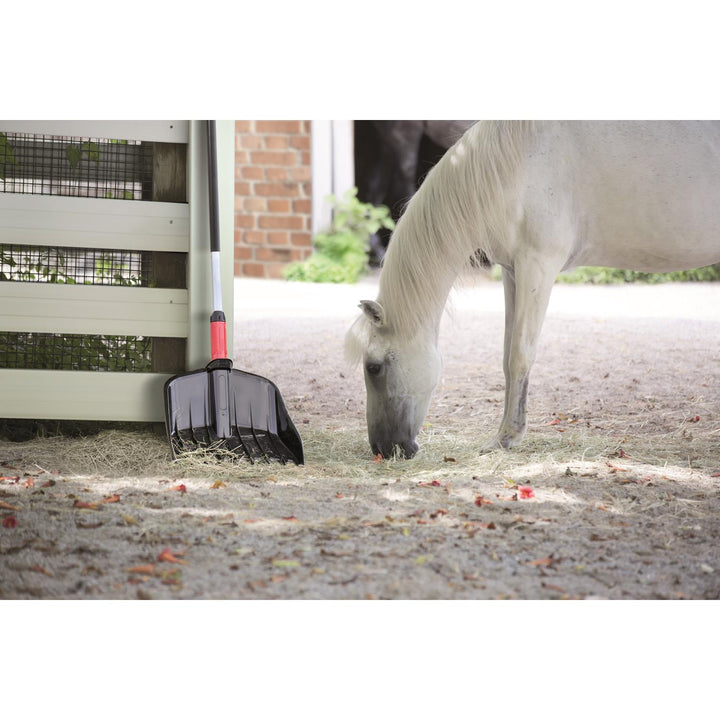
92 150
7 155
73 155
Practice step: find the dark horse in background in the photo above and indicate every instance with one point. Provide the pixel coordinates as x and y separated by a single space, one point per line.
392 158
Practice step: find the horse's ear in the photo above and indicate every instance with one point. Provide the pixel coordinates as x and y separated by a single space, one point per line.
375 312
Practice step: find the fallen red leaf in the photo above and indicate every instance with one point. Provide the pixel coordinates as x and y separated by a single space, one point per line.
480 501
614 469
180 488
217 485
291 518
167 556
9 521
695 419
554 422
526 492
7 506
432 483
13 478
111 499
30 482
378 458
339 495
84 505
41 569
142 569
717 474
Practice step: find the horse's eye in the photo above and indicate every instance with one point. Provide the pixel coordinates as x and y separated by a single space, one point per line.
373 368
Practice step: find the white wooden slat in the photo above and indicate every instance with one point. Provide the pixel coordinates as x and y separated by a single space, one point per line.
93 309
94 222
70 395
174 131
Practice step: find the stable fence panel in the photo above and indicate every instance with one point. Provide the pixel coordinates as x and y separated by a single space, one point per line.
93 310
167 131
94 223
170 227
78 395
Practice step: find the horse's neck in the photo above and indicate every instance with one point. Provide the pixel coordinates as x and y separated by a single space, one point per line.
416 282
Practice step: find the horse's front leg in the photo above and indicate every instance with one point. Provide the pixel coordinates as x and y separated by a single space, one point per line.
527 292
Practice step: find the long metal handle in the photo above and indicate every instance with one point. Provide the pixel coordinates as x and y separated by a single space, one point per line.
212 186
218 335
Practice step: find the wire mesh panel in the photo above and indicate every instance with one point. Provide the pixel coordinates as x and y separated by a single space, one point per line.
86 266
33 163
52 351
75 166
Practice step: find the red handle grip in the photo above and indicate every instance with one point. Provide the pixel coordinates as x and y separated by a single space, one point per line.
218 339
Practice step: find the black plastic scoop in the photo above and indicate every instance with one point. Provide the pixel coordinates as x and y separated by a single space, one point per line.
219 408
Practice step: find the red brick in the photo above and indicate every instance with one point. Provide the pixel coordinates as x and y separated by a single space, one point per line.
300 173
274 254
250 172
302 206
251 142
278 238
242 188
276 173
253 269
278 126
300 142
272 157
301 239
254 237
289 222
242 126
277 189
278 255
243 252
275 270
245 222
254 204
276 142
279 206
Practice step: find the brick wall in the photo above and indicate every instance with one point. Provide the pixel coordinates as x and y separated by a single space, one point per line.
273 201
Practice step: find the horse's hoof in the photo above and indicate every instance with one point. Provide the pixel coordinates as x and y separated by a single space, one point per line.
495 444
501 442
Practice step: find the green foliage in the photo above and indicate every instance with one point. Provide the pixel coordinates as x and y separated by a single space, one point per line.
609 276
7 155
74 153
602 275
341 254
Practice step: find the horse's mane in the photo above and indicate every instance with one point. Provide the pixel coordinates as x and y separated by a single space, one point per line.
459 210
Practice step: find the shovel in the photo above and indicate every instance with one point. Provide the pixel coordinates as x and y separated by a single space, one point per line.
219 408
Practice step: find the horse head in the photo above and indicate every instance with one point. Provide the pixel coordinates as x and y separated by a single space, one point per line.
400 376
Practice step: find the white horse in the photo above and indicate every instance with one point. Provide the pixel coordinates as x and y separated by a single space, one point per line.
535 198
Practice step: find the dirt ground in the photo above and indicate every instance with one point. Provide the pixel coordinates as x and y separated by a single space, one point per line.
621 461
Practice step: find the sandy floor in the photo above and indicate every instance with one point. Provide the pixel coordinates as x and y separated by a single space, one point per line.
621 457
